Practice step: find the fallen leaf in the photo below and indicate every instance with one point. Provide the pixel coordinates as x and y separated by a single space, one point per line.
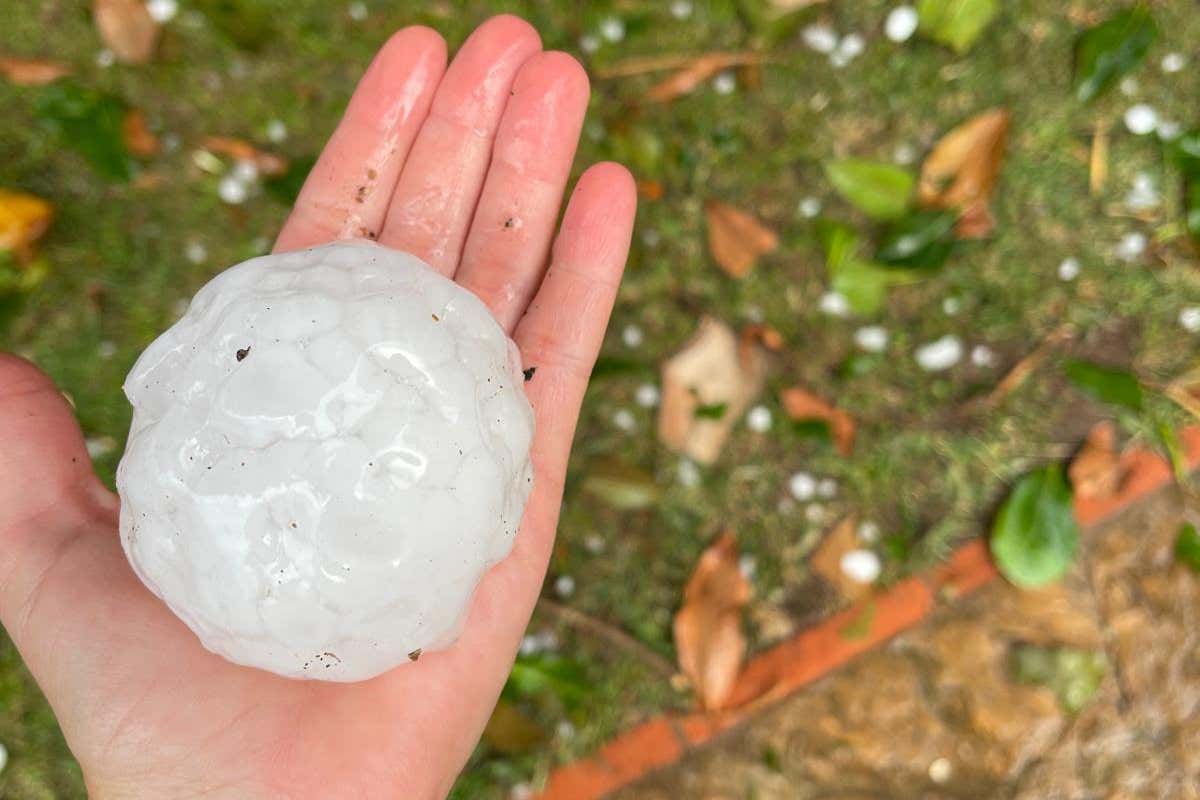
961 171
1107 384
32 71
1096 469
89 122
510 731
1185 391
269 165
127 29
801 404
881 191
1098 162
826 560
1112 49
763 335
621 486
1035 535
708 627
711 372
695 72
138 138
649 189
957 23
23 220
736 239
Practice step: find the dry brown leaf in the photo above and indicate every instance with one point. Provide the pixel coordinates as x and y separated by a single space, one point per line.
127 29
651 190
1096 469
801 404
268 164
1098 161
32 71
706 387
1185 390
736 239
23 220
708 627
138 138
695 72
763 335
962 169
826 560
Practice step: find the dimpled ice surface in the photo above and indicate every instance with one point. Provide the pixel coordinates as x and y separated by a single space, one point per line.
327 452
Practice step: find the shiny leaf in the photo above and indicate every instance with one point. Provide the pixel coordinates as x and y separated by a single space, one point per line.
1112 49
1106 384
881 191
922 240
91 123
957 23
1035 535
1187 546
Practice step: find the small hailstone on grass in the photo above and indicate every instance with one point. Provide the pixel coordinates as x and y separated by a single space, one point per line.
951 306
162 11
983 356
688 474
632 336
868 532
814 513
904 153
612 29
530 645
1068 269
901 23
195 252
681 9
564 729
105 58
521 791
851 45
1143 195
803 486
758 419
940 770
835 304
1131 247
589 43
1168 129
625 420
106 350
827 488
861 566
3 756
593 543
1189 318
1141 119
564 586
1173 62
871 338
940 354
819 37
651 237
245 171
646 395
357 11
747 565
809 207
277 131
232 190
724 83
1129 86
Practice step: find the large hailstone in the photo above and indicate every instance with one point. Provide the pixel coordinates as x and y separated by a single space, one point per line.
327 452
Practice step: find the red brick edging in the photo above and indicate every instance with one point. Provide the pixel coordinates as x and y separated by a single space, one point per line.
817 651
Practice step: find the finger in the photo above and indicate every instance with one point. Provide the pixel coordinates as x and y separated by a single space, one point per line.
349 188
439 186
511 231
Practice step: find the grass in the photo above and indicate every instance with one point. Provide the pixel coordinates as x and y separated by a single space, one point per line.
924 472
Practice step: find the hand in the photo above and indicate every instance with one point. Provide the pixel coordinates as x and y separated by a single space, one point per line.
465 167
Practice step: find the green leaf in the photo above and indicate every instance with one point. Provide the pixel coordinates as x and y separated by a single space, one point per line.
612 366
812 429
1185 151
863 284
957 23
1187 546
1073 675
246 23
623 487
546 673
1191 205
88 122
1035 534
1108 385
1108 51
710 411
286 187
919 241
510 731
881 191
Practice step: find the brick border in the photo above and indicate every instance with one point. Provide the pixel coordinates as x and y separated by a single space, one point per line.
817 651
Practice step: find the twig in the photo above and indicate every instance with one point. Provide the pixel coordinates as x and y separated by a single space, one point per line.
1020 371
642 65
1098 164
574 618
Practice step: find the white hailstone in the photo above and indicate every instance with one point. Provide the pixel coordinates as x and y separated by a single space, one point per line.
233 191
277 131
1131 247
755 314
1173 62
802 486
901 23
1142 195
612 29
170 142
98 446
904 154
564 586
815 513
327 453
1168 129
834 304
106 350
357 11
594 543
3 757
589 43
747 565
530 645
1141 119
1189 318
951 306
646 395
786 505
838 59
521 791
688 474
809 207
681 9
872 338
820 37
983 356
827 488
651 237
162 11
940 354
105 58
632 336
625 420
260 245
940 770
851 46
565 729
1129 86
861 566
758 419
724 83
1068 269
245 170
868 532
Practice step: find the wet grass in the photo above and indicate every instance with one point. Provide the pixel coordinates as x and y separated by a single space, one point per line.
925 472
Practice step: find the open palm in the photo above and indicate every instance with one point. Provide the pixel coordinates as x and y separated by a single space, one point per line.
465 167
